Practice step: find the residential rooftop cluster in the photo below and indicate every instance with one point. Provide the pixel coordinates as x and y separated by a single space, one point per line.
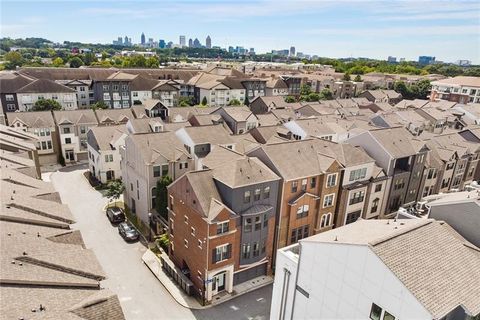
46 270
344 188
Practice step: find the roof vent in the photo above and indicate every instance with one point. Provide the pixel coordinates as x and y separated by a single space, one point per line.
25 253
38 234
13 262
9 234
20 264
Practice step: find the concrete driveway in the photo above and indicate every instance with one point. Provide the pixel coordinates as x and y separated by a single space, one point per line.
142 296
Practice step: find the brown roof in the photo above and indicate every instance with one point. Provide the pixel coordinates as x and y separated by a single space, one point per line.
33 119
12 82
459 81
85 116
44 86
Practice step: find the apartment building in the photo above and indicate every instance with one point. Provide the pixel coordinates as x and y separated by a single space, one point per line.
10 83
276 87
222 221
72 128
200 141
309 187
401 158
107 117
141 89
459 89
145 159
41 124
104 143
238 118
114 90
83 91
167 91
379 269
40 89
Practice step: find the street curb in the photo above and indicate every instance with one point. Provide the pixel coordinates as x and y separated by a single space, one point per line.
241 294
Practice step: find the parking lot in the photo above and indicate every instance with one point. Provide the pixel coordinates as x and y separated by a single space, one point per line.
142 296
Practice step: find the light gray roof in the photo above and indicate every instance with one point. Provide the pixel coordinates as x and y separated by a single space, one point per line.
214 134
33 119
116 116
397 141
162 144
76 117
104 137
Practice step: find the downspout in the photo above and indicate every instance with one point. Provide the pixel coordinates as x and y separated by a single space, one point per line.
296 279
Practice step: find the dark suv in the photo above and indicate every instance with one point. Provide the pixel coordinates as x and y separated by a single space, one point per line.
115 215
128 232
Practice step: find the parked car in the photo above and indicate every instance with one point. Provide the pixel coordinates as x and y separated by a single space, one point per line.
115 215
128 232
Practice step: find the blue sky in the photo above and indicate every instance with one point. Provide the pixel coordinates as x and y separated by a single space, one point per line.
449 30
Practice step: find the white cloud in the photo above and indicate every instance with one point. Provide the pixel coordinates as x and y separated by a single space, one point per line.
401 31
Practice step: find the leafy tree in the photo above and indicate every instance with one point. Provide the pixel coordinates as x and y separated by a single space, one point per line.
346 76
161 200
403 89
75 62
422 88
185 101
58 62
326 94
234 102
289 99
246 101
152 62
305 90
14 59
99 105
89 58
357 78
46 104
114 190
204 101
163 241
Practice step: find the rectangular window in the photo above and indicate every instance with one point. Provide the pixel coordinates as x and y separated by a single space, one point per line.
185 219
256 249
302 211
378 187
247 225
246 197
222 227
109 158
304 184
49 144
299 233
246 251
375 312
164 170
222 253
192 231
106 87
156 171
358 174
185 243
328 200
265 220
331 180
388 316
256 195
9 97
258 223
374 205
294 186
170 202
66 130
199 243
83 129
357 197
353 216
313 182
115 87
266 193
68 140
44 145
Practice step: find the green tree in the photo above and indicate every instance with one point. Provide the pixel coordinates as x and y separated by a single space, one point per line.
152 62
346 76
75 62
99 105
185 101
326 94
423 88
289 99
403 89
204 101
305 90
89 58
14 59
114 190
161 199
58 62
357 78
46 104
163 241
234 102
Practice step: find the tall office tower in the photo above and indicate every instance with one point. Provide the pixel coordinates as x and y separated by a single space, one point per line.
161 44
190 43
196 43
208 42
292 51
142 39
126 42
182 41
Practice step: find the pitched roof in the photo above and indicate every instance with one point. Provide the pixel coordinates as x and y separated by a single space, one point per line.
108 116
33 119
44 86
238 113
438 266
105 137
85 116
12 82
159 144
141 83
397 141
214 134
459 81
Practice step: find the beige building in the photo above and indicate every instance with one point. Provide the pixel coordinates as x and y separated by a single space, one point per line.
40 89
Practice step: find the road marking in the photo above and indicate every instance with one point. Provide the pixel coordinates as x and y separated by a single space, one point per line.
234 308
259 299
125 299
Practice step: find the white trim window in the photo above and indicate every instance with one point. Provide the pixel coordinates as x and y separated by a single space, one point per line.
325 221
358 174
328 200
331 180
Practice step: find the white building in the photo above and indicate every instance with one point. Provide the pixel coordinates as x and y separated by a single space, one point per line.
460 89
379 269
104 145
40 89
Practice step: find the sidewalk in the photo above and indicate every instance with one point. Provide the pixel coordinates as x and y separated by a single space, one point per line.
154 264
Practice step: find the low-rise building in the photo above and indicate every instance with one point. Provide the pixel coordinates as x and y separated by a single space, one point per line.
104 143
40 89
379 269
72 128
461 89
389 96
238 118
41 124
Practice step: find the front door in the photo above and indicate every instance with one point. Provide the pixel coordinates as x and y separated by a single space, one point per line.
218 283
70 155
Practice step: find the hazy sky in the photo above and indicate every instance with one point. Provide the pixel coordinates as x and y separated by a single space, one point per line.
449 30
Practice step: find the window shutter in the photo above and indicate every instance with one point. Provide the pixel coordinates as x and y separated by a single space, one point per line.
214 255
229 251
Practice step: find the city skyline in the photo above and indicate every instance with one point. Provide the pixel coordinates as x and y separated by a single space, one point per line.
362 29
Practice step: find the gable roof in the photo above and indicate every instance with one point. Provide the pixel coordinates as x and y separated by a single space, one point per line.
82 116
45 86
159 144
32 119
104 137
106 116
